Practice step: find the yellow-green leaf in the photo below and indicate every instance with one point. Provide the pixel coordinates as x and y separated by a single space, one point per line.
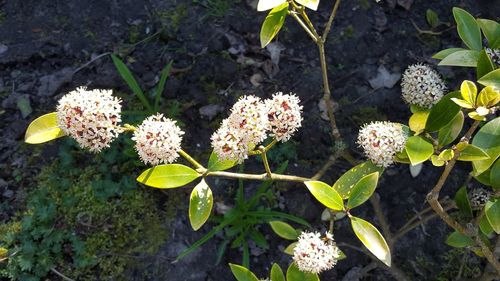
43 129
201 202
472 153
363 189
495 175
168 176
488 97
418 149
311 4
216 164
417 121
284 230
458 240
372 239
463 103
242 273
277 273
488 139
436 161
446 52
492 211
290 248
490 28
294 274
468 29
468 90
325 194
273 23
346 182
491 79
465 58
446 155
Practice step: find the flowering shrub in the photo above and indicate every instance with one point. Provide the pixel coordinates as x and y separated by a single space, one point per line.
255 126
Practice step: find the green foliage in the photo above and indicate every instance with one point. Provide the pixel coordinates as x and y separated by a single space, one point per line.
200 204
168 176
348 180
325 194
372 239
43 129
273 23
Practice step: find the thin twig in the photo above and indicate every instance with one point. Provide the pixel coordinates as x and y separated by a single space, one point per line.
91 61
260 177
61 275
330 21
304 26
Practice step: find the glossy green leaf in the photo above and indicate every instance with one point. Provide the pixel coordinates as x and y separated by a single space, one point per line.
277 273
463 103
495 175
325 194
488 97
417 121
294 274
216 164
43 129
491 79
446 52
168 176
491 29
242 273
462 201
466 58
201 202
485 226
273 23
130 80
265 5
484 64
472 153
450 131
436 161
487 138
290 248
311 4
446 155
363 189
372 239
468 91
432 18
468 29
418 149
442 112
492 212
346 182
284 230
458 240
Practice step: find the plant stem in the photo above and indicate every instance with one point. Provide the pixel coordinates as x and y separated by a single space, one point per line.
260 177
330 20
190 159
433 199
303 25
264 160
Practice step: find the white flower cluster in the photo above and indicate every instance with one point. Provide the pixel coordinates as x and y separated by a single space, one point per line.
251 119
479 197
494 54
381 141
158 140
422 86
315 254
90 117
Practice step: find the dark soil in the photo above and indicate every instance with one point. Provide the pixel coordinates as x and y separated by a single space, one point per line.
45 45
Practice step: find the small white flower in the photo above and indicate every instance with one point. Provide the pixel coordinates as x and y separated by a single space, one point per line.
479 197
381 141
248 118
494 54
229 144
314 254
284 115
90 117
158 140
422 86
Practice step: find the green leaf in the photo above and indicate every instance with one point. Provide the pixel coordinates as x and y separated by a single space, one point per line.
432 18
242 273
130 80
442 112
216 164
43 129
372 239
491 29
418 149
488 97
168 176
363 190
446 52
468 29
284 230
201 202
161 85
311 4
294 274
468 91
450 131
277 273
458 240
463 103
466 58
492 211
346 182
472 153
417 121
265 5
495 175
290 248
24 105
485 226
462 201
487 138
325 194
436 161
273 23
491 79
484 64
